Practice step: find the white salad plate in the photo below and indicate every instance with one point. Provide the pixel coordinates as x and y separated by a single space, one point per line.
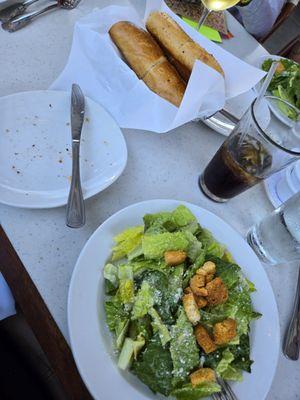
91 340
36 152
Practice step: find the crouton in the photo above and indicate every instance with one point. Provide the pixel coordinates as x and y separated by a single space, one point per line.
201 272
209 277
280 68
204 340
202 292
196 283
190 308
209 267
188 290
200 301
202 375
175 257
217 292
224 331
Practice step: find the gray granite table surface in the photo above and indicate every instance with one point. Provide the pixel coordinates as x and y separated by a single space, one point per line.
159 166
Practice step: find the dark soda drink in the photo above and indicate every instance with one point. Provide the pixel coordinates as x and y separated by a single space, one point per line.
235 168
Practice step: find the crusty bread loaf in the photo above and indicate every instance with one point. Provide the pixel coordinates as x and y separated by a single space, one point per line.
180 48
147 60
163 80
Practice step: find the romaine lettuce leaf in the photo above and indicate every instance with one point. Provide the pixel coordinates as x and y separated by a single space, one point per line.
242 354
229 272
239 305
159 327
226 370
195 247
159 223
127 241
154 367
211 246
130 350
126 286
285 84
159 281
193 227
190 272
121 330
174 291
187 392
183 216
144 300
141 326
110 273
167 292
230 362
115 313
136 253
155 245
141 266
183 348
170 221
109 288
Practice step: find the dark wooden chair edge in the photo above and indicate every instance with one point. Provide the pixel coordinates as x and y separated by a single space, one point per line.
41 321
287 10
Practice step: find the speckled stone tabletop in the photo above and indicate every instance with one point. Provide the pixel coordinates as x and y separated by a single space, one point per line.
159 166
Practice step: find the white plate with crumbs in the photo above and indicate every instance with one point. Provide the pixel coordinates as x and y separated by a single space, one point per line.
36 152
91 340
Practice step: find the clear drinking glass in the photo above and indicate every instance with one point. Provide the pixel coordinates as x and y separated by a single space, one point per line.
276 238
215 5
262 143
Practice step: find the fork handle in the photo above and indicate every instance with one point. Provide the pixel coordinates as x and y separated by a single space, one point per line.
20 22
292 339
14 10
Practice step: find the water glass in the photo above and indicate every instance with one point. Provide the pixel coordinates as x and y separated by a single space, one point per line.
276 239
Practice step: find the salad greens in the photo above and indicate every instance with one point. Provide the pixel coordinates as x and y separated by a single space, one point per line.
286 85
145 310
183 349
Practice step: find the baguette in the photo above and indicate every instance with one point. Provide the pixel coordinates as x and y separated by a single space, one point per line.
181 50
148 61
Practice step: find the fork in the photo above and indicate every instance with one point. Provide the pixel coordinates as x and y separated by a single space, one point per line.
226 393
15 10
291 345
18 23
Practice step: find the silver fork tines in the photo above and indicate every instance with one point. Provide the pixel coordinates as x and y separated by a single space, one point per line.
226 393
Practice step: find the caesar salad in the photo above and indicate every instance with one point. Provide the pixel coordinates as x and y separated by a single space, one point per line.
178 306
